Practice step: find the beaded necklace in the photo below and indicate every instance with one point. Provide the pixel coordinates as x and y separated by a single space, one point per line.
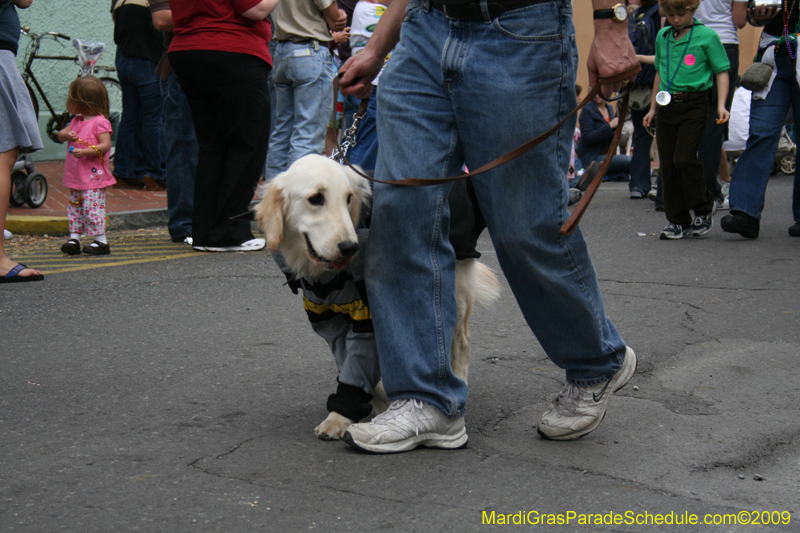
786 14
685 49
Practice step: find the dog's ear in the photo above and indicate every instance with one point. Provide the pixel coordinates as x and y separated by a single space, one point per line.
269 214
362 193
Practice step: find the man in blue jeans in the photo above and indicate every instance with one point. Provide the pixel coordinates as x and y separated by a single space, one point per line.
138 155
302 73
468 82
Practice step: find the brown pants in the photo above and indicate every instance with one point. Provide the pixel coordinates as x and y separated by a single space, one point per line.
679 131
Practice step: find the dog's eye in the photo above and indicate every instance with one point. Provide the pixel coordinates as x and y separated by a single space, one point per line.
349 198
317 199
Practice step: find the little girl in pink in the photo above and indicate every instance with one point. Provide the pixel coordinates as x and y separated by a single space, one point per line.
86 167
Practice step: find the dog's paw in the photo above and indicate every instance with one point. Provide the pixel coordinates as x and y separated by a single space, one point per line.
333 427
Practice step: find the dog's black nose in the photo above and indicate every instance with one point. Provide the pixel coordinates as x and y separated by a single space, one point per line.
348 248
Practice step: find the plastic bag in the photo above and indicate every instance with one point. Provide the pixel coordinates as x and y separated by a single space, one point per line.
89 53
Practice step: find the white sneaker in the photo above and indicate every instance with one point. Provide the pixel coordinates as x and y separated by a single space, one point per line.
253 245
406 425
576 411
7 234
725 187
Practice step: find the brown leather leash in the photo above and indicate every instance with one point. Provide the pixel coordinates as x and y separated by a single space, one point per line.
570 225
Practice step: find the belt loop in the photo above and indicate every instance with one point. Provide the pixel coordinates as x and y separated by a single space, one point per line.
485 11
315 44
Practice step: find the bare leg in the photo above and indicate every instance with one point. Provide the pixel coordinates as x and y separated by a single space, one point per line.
7 160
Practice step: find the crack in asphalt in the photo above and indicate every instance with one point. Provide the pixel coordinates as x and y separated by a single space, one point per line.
764 448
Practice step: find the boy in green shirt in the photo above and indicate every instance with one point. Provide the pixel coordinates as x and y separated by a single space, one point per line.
687 56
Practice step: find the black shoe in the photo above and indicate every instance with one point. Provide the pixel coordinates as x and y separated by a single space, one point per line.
741 223
127 183
794 230
97 248
71 247
153 184
588 176
182 238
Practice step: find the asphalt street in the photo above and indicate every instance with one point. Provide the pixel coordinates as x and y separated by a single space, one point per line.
175 391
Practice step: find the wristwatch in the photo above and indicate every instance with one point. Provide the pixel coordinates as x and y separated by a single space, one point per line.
618 13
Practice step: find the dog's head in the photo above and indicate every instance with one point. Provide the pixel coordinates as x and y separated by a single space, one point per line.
310 212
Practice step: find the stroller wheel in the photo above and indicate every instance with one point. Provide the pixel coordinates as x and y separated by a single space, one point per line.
788 164
17 199
35 190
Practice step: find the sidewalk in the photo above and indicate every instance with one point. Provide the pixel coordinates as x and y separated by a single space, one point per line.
125 208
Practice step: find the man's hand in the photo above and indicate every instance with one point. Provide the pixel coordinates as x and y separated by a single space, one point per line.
341 37
357 73
341 22
611 53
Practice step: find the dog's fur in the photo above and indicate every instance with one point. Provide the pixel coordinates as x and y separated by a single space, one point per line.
310 213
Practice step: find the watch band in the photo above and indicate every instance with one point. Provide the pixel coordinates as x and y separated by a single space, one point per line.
610 13
603 14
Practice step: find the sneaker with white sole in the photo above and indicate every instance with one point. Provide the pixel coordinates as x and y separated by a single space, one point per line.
576 411
253 245
703 224
405 425
675 231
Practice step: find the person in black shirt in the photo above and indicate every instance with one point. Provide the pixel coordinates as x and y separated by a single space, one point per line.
138 157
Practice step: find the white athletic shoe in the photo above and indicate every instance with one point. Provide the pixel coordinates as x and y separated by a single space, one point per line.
576 411
7 234
253 245
406 425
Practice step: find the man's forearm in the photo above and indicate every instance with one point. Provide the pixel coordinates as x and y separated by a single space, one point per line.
387 34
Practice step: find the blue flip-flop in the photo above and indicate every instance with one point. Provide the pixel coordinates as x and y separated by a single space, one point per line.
12 276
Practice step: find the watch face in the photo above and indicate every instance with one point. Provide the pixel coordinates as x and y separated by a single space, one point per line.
620 12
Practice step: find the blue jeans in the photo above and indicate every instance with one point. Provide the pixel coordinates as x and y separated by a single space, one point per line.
446 99
365 152
138 150
303 78
640 161
182 150
749 179
710 152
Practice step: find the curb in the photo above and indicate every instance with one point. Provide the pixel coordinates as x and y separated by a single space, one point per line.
36 225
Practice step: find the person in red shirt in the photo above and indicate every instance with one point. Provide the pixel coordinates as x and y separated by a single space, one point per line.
221 59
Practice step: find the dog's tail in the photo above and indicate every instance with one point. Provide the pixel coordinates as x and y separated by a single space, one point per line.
487 286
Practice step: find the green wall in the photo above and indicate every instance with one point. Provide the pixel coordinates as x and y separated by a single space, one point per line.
88 20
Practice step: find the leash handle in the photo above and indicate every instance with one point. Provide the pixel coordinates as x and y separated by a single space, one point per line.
579 210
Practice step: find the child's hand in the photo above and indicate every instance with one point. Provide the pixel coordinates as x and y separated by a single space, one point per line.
72 136
723 114
83 152
648 118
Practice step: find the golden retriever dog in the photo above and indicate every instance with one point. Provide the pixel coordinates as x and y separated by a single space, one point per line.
310 215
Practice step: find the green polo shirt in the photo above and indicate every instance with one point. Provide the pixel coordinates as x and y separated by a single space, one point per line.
704 58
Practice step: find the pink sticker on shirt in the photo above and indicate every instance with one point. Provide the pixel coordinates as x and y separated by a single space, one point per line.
690 60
